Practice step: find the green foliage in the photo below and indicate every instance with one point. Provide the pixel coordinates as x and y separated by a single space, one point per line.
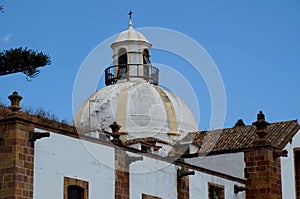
22 60
42 113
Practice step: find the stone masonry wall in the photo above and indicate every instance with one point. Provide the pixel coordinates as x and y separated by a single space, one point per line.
263 174
121 174
183 191
17 161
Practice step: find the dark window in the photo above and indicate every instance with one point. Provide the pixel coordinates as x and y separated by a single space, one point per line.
75 192
146 62
122 62
145 148
146 57
122 56
297 172
75 188
215 191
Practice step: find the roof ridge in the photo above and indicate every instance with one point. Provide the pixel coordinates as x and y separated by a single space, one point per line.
202 131
242 137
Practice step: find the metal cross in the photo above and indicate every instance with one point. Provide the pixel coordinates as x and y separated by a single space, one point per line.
130 14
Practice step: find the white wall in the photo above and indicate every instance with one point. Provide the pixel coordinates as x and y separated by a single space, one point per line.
158 178
231 163
199 186
59 156
153 177
288 169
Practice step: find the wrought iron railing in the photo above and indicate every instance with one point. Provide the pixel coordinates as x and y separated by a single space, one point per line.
128 71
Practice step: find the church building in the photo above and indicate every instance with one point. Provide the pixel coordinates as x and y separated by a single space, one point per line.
133 139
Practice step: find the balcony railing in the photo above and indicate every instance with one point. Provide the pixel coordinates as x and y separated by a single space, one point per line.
131 71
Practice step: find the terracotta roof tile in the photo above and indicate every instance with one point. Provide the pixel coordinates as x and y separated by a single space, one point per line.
242 137
4 111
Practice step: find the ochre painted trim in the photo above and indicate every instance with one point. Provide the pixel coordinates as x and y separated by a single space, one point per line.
173 128
122 104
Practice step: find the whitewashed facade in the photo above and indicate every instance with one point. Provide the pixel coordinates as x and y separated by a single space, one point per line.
62 156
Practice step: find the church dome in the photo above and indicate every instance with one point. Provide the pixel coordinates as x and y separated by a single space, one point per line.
142 109
132 97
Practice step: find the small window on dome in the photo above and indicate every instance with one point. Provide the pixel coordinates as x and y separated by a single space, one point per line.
146 57
122 63
146 62
145 148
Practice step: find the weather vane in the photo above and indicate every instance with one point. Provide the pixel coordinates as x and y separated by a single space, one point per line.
130 14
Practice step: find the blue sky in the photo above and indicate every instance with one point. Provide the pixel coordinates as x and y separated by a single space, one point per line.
255 44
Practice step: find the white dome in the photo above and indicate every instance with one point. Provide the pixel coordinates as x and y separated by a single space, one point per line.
131 35
142 109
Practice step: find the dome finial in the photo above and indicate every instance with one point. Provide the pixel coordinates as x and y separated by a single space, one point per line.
130 18
130 14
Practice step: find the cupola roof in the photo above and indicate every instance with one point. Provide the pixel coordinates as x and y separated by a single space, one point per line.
131 35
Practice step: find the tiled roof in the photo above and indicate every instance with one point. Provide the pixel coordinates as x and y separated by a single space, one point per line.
242 137
4 112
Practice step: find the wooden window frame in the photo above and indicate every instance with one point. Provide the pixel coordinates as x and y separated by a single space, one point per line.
217 186
146 196
77 182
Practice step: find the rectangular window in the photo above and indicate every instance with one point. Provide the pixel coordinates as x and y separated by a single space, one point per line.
297 171
145 196
75 188
75 192
215 191
145 148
